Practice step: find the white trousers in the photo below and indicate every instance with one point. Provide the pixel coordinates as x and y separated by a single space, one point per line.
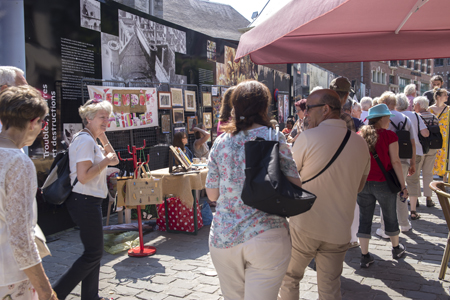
254 269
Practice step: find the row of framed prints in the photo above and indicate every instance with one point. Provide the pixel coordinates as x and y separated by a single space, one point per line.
174 98
191 121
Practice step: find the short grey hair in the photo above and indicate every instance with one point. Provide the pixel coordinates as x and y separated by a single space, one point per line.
356 105
422 101
91 108
402 102
366 103
348 105
410 89
316 88
8 75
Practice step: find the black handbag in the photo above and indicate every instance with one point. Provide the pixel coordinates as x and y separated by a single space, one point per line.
391 177
423 140
266 188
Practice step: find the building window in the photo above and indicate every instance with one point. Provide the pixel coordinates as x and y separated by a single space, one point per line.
402 83
379 77
394 63
438 62
424 87
391 79
401 63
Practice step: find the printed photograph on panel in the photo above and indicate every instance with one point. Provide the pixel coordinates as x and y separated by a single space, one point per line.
177 97
145 50
69 130
90 14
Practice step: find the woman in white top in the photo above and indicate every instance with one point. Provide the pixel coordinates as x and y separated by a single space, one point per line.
88 164
22 112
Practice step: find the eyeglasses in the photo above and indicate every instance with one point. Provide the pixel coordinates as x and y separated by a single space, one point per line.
308 107
44 124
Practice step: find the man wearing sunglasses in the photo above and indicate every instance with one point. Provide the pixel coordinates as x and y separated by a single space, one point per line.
323 232
11 76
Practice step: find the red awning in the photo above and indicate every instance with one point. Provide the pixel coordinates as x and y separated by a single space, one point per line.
319 31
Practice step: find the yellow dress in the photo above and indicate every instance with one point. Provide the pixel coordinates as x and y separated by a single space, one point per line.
440 164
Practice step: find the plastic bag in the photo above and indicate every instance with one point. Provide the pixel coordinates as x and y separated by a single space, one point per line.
114 243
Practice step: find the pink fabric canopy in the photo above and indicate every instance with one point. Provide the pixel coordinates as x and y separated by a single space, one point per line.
319 31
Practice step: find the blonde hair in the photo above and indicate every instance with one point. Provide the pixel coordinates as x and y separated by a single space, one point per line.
92 107
369 133
388 98
409 89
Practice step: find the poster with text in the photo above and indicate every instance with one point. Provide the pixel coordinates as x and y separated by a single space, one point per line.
133 108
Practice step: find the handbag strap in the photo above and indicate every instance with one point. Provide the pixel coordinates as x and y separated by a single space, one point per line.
339 150
442 112
380 164
418 128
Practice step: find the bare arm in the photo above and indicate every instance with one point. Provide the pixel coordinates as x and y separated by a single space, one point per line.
108 149
295 180
397 165
425 132
213 194
40 282
86 170
201 140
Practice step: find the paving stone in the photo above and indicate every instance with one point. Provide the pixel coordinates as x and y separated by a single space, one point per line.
177 292
148 295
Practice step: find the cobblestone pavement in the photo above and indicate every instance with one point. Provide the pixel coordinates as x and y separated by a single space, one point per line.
182 267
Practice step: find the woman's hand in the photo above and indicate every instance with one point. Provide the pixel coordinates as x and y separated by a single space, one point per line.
111 156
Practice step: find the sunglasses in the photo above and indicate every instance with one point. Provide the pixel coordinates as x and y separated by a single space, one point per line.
308 107
43 124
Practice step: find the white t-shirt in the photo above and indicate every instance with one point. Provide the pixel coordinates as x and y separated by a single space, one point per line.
84 148
363 117
412 117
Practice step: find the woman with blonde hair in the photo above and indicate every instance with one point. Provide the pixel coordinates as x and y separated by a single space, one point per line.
250 249
88 164
22 277
441 111
383 144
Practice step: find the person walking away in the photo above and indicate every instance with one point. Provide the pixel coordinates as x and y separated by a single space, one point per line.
419 126
366 104
88 164
410 93
427 162
323 232
383 143
22 276
250 249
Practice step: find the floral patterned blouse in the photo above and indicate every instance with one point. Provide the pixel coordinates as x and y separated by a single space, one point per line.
234 222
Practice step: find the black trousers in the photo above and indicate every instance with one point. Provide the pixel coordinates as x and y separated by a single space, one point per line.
86 212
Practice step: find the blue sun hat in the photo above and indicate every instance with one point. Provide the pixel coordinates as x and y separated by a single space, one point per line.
379 110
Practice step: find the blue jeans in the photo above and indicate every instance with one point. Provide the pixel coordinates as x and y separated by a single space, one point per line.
377 191
86 212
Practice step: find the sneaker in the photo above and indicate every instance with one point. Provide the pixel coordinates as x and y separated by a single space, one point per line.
380 232
354 244
397 253
405 228
366 261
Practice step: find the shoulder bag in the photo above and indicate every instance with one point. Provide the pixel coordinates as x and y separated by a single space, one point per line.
391 177
266 188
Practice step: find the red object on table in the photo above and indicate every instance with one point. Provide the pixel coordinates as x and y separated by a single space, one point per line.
142 250
181 218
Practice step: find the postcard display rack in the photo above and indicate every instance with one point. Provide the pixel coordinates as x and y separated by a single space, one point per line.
142 250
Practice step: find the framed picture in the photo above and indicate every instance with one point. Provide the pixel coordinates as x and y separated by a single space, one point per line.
191 121
223 90
207 120
178 115
165 123
164 100
177 97
179 129
214 90
206 99
189 101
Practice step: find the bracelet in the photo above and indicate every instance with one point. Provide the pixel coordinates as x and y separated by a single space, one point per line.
104 146
404 189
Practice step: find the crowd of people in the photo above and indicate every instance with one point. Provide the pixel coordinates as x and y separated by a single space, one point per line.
257 255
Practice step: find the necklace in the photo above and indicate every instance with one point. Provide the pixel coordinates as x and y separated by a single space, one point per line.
7 138
90 132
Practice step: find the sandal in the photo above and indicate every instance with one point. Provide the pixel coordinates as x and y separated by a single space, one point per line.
414 215
430 203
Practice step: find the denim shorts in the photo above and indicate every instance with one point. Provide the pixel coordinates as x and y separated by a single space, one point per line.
377 191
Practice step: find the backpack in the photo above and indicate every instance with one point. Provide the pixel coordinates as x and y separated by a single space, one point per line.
405 149
57 186
435 138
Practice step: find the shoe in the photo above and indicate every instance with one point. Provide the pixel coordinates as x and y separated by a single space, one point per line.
430 203
354 244
397 253
414 215
380 232
366 261
405 228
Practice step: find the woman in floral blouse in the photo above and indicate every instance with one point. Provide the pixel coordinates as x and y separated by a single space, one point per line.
250 249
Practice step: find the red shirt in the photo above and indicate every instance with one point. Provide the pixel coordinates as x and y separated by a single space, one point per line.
385 138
